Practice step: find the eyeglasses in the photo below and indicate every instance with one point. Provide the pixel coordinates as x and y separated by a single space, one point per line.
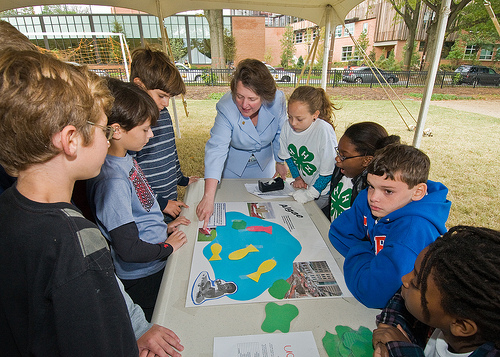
109 131
343 158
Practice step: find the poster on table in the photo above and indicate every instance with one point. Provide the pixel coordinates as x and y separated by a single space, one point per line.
261 252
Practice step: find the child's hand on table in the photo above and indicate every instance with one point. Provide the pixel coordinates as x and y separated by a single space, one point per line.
159 341
174 208
299 183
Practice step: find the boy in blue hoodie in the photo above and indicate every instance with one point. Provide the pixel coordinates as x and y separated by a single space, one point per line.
399 214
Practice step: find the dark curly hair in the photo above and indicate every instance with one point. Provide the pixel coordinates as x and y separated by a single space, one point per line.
465 263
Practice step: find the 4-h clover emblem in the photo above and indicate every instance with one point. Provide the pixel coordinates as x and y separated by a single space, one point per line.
341 200
302 159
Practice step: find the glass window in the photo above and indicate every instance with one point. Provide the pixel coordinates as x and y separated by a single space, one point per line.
365 27
338 31
486 53
346 53
470 52
349 29
298 37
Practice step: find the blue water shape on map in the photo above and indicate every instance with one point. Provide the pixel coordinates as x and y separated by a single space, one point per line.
280 246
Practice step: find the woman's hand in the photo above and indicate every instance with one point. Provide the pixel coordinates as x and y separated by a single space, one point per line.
174 225
299 183
205 208
281 170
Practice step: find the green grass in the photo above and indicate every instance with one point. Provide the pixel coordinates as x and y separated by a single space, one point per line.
441 96
464 150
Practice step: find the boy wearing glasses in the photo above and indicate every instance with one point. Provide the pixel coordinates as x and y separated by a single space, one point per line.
399 214
59 293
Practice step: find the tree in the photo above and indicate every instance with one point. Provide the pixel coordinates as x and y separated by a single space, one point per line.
62 9
409 10
477 29
363 43
300 62
287 47
229 46
453 24
214 18
414 57
456 53
179 49
203 46
21 11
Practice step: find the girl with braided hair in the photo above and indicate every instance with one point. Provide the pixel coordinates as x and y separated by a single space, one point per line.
453 290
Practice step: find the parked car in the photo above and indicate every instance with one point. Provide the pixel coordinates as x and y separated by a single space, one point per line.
476 75
188 74
281 75
365 75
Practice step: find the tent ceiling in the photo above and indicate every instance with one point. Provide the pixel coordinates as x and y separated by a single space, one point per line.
312 10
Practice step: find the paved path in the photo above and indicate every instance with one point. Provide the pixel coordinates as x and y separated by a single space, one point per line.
486 107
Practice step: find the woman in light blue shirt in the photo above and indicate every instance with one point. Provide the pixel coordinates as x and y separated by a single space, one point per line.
244 141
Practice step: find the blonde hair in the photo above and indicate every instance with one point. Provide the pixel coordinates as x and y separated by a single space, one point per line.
40 95
315 99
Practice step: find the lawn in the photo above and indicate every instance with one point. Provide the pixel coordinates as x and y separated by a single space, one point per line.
464 149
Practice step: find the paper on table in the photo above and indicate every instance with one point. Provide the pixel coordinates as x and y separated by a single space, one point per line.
218 218
298 344
253 188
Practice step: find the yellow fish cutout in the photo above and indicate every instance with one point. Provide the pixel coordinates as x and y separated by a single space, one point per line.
216 248
242 253
264 267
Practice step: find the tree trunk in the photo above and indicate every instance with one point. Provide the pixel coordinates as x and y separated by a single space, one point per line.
431 39
214 18
412 24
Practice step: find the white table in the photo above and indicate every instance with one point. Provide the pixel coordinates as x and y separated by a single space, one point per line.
197 326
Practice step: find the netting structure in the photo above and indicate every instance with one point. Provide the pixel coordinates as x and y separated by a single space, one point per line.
105 53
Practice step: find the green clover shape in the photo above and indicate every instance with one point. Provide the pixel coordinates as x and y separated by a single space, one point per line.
302 159
341 201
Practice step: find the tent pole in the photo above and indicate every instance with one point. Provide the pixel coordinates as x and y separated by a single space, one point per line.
166 46
326 46
431 75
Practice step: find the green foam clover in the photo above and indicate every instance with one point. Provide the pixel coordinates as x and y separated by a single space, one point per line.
279 317
349 342
279 289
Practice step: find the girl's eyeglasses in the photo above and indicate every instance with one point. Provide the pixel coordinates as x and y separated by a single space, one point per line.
343 158
109 131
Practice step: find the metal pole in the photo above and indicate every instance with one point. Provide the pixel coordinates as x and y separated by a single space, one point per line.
324 72
431 76
122 45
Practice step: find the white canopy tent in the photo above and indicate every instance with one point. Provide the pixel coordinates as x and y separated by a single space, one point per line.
312 10
328 13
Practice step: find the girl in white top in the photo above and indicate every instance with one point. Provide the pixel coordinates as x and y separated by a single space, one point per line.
308 144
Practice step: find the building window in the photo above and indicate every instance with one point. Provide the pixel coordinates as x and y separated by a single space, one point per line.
315 33
365 28
486 53
346 53
338 31
349 29
298 37
470 52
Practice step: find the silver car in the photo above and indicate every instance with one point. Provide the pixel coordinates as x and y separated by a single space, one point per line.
365 75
